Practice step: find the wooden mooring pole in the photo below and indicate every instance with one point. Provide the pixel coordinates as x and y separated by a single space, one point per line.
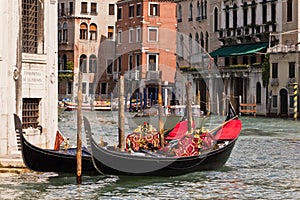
79 129
188 87
160 115
121 114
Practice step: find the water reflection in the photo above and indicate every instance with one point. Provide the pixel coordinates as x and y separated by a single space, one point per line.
265 164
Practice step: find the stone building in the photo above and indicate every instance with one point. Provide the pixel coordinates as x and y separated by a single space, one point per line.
28 59
86 43
284 60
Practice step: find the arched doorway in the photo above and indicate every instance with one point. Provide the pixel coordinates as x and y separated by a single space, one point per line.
283 102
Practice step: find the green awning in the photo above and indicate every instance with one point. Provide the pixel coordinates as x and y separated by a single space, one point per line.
239 50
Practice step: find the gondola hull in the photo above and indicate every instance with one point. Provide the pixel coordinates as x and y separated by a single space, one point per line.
114 162
46 160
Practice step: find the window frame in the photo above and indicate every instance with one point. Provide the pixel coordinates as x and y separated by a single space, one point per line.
149 34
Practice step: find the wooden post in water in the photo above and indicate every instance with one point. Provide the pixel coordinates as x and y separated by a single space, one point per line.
160 115
188 87
121 114
295 86
79 129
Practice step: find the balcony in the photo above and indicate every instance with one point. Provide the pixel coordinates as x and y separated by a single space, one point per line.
153 75
135 75
274 82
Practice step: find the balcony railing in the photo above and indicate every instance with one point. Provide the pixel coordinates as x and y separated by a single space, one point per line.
153 75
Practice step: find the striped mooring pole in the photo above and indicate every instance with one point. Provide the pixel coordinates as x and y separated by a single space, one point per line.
295 100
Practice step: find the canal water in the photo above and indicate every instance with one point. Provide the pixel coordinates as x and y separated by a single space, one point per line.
265 164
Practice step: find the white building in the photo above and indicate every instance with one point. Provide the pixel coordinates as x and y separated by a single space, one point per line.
28 65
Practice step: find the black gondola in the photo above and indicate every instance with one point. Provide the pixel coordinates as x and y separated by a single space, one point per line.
110 161
47 160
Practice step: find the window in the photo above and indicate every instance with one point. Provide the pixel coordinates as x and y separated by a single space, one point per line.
30 112
119 37
245 60
71 8
103 88
253 12
206 41
258 93
131 11
83 31
93 64
181 48
227 17
32 26
197 49
191 12
153 9
110 32
152 62
137 61
274 100
62 9
119 14
291 101
93 32
111 9
82 63
130 62
264 12
93 8
273 12
70 86
152 34
292 69
65 32
130 39
138 9
138 34
83 7
91 88
109 66
245 14
234 13
59 36
201 40
119 63
179 14
64 62
274 70
198 11
83 88
216 20
289 10
190 46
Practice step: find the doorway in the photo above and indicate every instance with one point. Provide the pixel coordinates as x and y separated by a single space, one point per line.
283 102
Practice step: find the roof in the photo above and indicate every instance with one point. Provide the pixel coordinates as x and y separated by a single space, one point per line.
239 50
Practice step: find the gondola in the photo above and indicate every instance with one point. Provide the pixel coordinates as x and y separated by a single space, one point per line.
48 160
108 160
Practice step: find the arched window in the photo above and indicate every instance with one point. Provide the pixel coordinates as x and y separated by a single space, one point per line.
93 32
206 41
201 40
258 92
93 64
83 31
82 63
59 36
216 20
65 32
191 12
197 45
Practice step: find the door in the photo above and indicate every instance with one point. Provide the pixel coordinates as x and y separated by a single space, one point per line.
283 102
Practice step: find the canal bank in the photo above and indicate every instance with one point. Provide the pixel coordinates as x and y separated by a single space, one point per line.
12 164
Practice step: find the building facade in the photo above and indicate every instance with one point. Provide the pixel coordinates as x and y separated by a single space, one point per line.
146 47
86 43
284 61
28 62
